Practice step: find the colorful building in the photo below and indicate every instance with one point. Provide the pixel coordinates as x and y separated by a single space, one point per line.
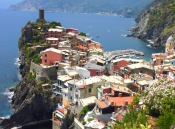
55 32
95 70
170 44
73 30
50 55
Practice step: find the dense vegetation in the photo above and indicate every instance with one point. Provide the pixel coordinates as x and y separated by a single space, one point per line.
158 102
156 22
163 14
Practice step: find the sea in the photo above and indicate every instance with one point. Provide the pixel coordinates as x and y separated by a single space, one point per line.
109 30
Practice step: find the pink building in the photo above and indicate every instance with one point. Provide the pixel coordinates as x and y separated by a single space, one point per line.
95 70
50 55
75 31
54 32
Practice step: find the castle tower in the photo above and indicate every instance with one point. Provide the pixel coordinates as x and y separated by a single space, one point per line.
170 44
41 14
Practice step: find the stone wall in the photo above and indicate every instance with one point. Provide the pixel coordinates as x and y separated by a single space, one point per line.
77 124
43 73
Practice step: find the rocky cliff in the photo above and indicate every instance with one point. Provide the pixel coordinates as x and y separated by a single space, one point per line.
30 102
156 22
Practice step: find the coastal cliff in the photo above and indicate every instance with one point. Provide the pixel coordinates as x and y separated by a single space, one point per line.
30 102
156 22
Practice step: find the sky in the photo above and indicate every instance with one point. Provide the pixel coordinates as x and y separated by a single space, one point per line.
4 4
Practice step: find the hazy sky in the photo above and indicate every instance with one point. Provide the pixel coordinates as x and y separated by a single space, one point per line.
7 3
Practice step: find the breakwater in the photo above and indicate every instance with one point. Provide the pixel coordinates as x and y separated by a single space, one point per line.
121 53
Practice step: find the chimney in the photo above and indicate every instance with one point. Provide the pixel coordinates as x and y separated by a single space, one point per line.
126 102
105 95
118 109
112 103
120 95
123 107
113 115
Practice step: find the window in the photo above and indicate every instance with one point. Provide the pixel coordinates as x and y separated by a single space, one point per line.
70 97
89 90
70 88
45 61
45 55
97 73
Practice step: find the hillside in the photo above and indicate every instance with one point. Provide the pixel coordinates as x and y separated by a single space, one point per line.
124 7
156 22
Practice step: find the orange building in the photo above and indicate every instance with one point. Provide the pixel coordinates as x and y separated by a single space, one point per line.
158 58
50 55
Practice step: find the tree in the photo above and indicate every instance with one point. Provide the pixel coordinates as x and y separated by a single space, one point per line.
82 34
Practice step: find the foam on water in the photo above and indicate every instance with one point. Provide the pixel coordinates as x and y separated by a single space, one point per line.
17 62
5 117
8 94
124 35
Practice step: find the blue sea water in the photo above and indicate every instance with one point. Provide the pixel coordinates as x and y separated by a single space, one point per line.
107 29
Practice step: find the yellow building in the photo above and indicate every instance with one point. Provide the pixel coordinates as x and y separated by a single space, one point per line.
170 44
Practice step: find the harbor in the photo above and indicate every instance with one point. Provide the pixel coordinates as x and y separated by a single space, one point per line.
121 53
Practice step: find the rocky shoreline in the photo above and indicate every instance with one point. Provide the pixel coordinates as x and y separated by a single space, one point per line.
149 28
28 102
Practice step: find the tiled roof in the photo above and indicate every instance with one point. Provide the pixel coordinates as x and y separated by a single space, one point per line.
53 50
61 110
82 47
88 100
105 118
55 29
119 101
102 104
81 87
94 66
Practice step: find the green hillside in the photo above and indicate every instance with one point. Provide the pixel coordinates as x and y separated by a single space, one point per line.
157 22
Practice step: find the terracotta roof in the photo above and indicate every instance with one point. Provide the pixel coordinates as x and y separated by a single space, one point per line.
81 87
119 100
61 110
102 104
82 47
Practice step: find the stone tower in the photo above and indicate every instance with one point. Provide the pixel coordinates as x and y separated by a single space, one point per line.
170 44
41 14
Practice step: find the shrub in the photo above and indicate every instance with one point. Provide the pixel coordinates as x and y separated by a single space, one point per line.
90 119
82 34
36 59
83 122
84 110
53 24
